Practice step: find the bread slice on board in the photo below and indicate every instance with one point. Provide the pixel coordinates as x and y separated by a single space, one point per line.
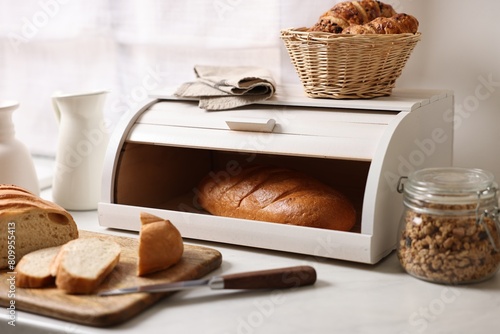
160 245
33 269
29 223
83 264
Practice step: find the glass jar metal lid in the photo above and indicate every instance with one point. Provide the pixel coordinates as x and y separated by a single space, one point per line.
450 229
450 185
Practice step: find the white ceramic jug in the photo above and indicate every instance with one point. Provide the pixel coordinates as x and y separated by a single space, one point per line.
83 138
16 165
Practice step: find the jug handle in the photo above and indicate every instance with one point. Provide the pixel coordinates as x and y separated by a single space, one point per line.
55 106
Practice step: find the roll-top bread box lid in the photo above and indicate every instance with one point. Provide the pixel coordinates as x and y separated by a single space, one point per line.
159 153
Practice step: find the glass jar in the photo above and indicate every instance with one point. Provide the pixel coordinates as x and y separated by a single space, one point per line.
450 230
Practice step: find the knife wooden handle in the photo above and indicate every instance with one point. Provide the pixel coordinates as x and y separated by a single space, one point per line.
282 278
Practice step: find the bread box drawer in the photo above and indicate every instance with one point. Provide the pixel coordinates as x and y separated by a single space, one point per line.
159 153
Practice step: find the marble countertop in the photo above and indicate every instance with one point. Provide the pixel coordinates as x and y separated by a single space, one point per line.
347 298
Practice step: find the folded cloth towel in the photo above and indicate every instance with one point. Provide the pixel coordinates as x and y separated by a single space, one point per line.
227 87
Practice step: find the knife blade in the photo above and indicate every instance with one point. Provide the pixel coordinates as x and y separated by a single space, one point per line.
280 278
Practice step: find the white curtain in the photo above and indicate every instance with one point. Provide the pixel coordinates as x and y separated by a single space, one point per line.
131 47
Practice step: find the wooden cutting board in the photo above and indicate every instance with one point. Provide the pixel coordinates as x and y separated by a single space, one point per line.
99 311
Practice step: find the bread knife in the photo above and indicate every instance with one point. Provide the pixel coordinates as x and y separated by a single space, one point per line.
281 278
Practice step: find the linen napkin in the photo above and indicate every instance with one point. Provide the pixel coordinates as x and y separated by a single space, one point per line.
228 87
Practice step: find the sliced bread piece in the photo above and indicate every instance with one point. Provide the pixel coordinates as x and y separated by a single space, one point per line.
32 222
84 263
33 269
160 244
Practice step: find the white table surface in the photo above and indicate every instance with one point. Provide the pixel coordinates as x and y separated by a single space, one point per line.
347 298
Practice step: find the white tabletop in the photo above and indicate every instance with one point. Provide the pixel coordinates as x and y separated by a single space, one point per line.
347 298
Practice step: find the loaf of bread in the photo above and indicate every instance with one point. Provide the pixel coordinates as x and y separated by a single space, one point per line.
33 271
397 24
347 13
82 264
29 223
160 245
278 195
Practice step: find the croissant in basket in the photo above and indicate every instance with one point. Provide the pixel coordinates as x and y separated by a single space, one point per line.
397 24
344 14
365 17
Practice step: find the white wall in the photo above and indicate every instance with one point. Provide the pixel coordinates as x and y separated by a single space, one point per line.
116 46
460 50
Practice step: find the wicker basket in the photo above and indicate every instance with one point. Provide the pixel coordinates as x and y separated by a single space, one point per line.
348 66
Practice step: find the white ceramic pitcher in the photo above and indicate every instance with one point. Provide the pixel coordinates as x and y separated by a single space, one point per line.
82 142
16 165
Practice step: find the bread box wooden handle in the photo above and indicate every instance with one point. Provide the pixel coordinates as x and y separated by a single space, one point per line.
282 278
251 124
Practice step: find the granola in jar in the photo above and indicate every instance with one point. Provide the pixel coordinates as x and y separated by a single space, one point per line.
450 229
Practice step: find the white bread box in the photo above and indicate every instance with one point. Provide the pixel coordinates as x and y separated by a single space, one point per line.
159 153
